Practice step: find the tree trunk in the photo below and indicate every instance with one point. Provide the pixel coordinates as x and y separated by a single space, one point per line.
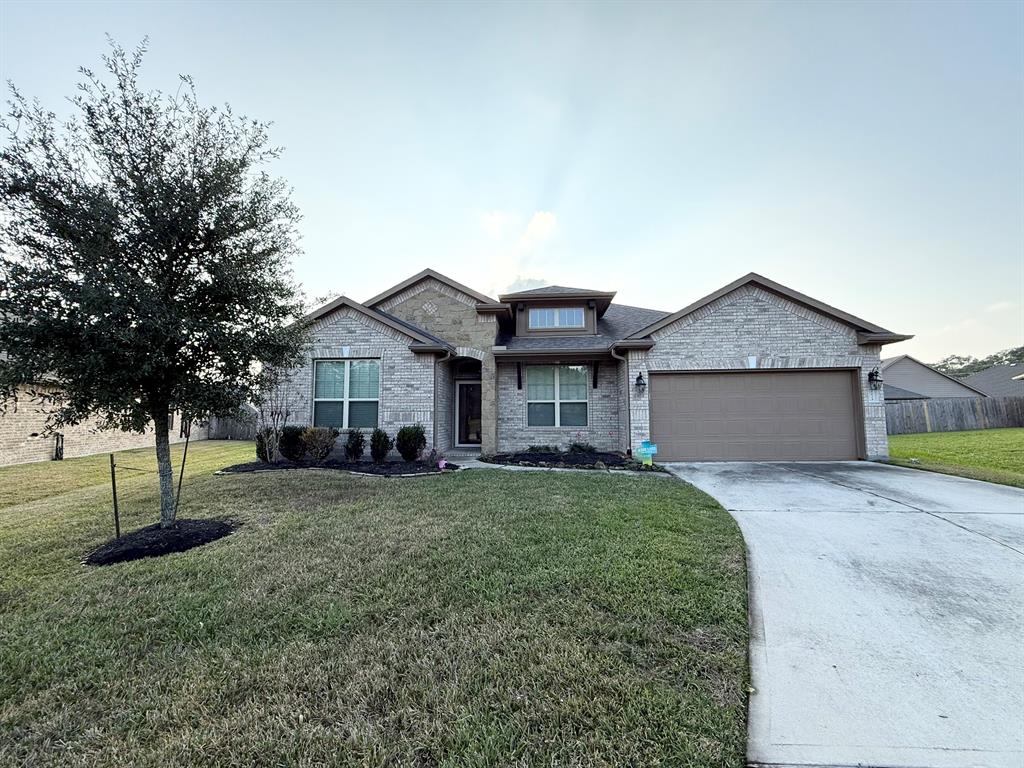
163 465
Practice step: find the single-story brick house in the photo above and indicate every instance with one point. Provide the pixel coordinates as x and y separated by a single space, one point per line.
754 371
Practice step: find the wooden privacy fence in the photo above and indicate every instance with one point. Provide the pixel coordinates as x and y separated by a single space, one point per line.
952 414
241 428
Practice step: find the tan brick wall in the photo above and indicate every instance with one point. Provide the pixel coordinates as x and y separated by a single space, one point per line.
777 333
23 438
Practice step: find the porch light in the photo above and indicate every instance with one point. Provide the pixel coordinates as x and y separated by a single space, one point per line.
875 379
641 385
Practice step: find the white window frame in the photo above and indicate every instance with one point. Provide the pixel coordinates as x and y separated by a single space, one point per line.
345 400
558 398
557 324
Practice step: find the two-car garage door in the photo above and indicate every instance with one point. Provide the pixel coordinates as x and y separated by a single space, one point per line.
754 416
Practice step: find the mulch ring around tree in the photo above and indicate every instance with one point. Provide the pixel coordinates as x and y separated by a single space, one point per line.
571 460
154 541
386 468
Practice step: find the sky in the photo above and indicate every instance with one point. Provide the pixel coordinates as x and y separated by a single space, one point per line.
868 154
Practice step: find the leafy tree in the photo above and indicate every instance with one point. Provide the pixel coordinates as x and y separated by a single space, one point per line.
959 365
144 256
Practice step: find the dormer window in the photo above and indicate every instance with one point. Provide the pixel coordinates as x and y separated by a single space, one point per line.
556 318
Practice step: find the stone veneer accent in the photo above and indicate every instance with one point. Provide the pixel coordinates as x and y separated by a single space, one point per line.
451 315
603 413
781 334
22 437
406 378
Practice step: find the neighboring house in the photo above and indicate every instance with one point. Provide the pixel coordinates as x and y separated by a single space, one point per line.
752 371
909 379
23 436
999 380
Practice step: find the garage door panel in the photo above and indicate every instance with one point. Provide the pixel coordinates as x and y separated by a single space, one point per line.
777 415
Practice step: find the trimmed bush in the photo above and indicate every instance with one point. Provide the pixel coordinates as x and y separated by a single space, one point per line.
380 445
291 445
411 441
355 444
581 447
543 449
319 441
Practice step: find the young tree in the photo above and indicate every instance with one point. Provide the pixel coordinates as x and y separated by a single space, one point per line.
144 256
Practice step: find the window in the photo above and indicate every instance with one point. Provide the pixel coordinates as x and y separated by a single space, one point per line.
564 317
556 396
346 393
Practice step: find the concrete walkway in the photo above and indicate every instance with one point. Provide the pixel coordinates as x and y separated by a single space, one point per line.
887 613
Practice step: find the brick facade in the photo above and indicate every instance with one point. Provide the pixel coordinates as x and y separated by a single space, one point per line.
604 409
23 439
754 328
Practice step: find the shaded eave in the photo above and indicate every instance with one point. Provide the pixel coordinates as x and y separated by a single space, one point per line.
420 341
889 361
425 275
569 354
867 333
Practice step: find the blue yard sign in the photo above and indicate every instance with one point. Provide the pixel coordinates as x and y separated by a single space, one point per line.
647 452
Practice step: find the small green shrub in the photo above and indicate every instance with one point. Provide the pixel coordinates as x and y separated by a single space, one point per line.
543 449
291 445
355 444
411 441
581 447
380 445
319 441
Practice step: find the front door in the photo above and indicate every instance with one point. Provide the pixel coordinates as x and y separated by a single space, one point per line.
467 412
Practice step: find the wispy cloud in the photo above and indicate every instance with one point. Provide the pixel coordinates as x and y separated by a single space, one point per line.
1001 306
517 244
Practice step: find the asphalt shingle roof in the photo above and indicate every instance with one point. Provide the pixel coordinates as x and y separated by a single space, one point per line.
618 322
997 381
551 289
899 393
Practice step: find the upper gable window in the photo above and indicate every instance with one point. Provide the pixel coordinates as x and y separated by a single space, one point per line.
561 317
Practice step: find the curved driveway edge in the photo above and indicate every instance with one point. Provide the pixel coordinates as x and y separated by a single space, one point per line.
887 613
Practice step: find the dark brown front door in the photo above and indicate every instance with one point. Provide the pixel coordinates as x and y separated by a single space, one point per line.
467 412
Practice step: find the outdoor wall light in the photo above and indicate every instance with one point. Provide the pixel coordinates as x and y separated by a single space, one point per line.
875 379
641 385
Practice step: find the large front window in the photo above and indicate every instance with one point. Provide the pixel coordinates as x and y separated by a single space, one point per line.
562 317
556 396
346 393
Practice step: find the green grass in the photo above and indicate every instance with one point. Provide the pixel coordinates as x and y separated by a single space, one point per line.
482 618
994 455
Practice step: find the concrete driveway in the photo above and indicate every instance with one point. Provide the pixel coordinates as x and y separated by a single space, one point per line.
887 613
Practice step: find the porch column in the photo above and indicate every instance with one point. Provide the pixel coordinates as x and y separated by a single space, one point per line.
488 405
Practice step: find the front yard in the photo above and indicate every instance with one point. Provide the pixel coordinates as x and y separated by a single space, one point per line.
474 619
995 455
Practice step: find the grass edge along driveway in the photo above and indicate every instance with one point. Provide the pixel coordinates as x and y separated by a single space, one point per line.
482 618
992 455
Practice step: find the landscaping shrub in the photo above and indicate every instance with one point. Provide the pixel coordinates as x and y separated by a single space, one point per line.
355 444
319 441
581 447
412 439
290 444
543 449
380 444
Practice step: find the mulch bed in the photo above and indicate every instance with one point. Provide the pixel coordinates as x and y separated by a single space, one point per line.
575 460
387 468
154 541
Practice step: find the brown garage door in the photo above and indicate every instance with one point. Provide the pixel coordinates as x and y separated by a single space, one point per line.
759 416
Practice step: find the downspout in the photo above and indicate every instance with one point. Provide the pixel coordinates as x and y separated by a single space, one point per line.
629 425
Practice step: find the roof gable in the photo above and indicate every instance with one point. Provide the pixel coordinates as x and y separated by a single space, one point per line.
428 274
926 370
867 332
421 338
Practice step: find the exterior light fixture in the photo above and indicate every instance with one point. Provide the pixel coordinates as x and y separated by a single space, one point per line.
641 385
875 379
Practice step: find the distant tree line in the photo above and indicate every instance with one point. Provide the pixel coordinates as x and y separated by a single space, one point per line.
965 365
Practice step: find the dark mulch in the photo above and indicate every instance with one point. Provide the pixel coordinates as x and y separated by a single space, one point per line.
154 541
576 460
386 468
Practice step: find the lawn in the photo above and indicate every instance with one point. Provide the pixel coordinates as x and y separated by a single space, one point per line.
480 618
995 455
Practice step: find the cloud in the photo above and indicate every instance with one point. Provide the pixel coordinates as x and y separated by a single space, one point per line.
517 248
541 225
525 283
497 223
1000 306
